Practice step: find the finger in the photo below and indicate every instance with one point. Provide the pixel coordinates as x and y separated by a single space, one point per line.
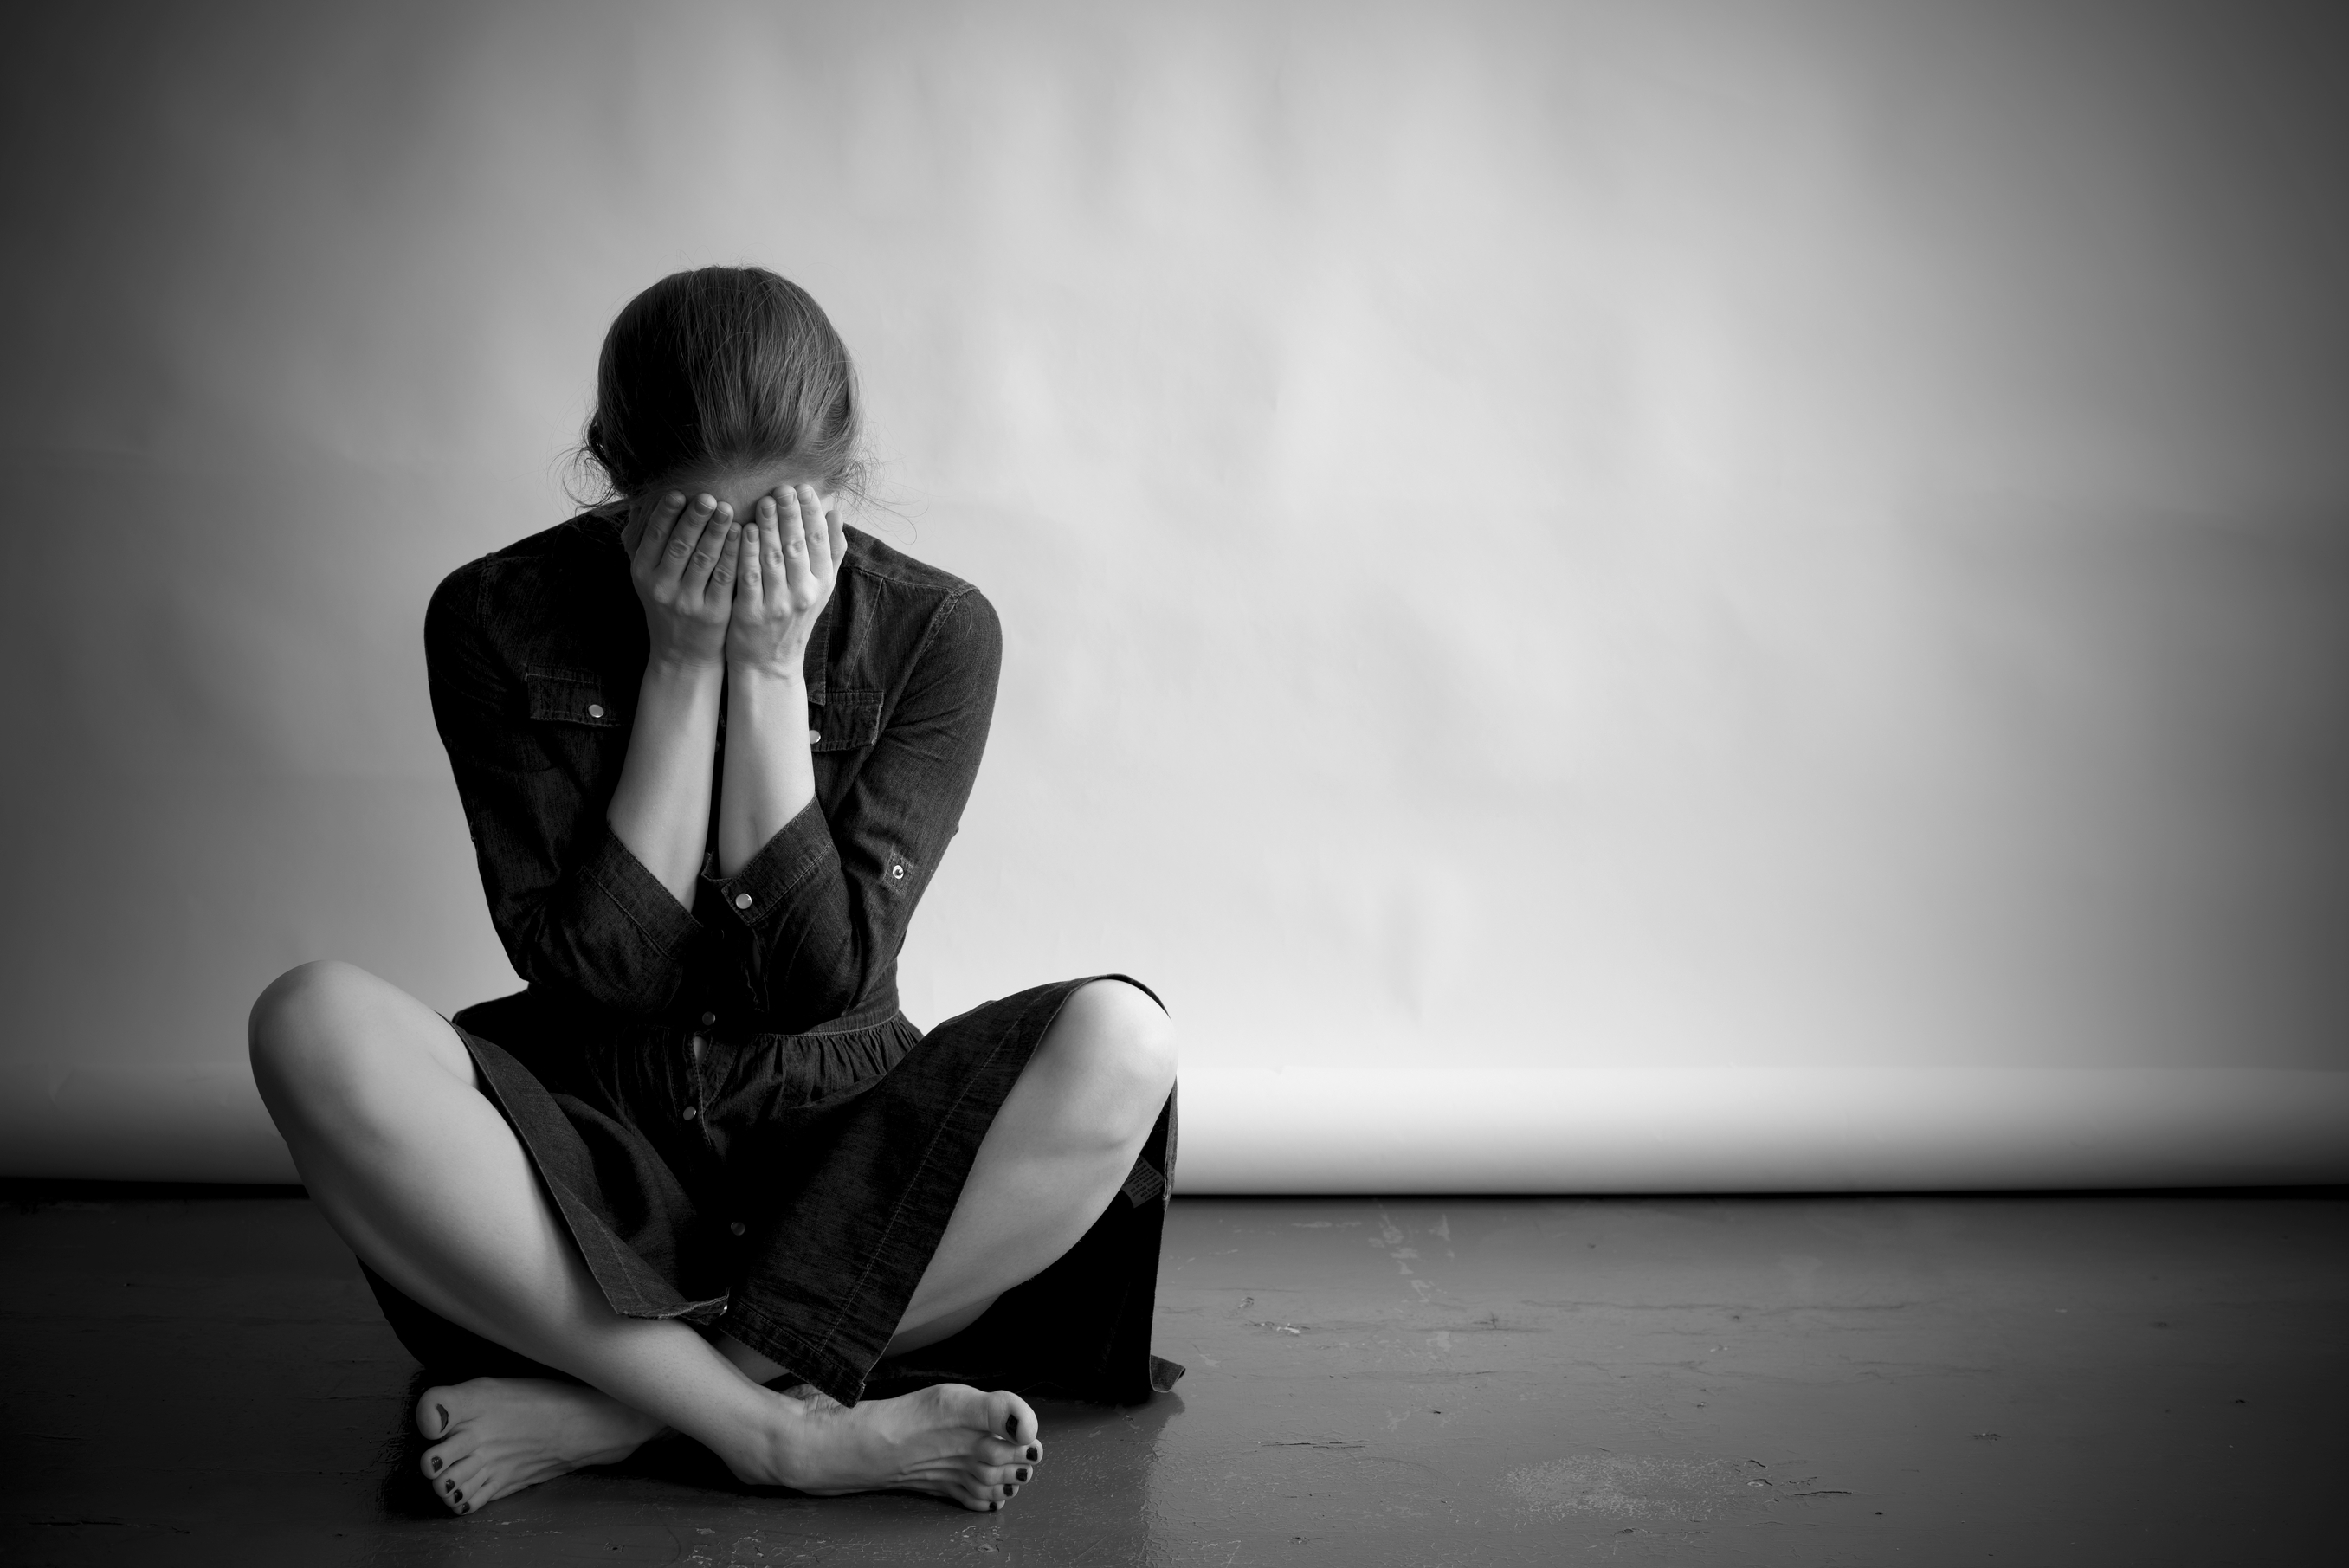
795 548
654 540
835 523
726 577
709 555
819 532
684 539
750 551
771 552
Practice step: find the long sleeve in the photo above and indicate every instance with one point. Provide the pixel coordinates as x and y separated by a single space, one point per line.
823 906
574 909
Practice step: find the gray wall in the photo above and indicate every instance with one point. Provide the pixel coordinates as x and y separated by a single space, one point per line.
1531 536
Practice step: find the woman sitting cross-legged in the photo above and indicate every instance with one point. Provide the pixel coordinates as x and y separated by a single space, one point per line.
703 1174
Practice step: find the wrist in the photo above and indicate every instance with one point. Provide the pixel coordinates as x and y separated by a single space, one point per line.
684 666
790 671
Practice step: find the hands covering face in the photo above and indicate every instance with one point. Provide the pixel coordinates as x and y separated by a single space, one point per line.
715 588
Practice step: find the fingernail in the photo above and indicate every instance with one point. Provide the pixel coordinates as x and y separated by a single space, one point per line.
435 1468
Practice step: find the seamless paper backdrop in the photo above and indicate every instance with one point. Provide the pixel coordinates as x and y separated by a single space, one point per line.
1598 594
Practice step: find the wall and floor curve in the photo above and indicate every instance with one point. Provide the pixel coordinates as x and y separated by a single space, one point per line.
1604 597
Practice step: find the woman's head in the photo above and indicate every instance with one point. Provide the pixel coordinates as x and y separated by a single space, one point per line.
719 371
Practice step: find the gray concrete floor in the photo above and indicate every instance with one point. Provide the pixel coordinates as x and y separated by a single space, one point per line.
2060 1380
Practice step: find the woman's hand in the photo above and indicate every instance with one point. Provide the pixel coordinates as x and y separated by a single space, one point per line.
788 560
682 564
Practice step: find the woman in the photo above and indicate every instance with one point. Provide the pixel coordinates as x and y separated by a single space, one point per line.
702 1174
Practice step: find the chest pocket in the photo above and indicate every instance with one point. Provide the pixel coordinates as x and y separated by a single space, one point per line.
844 720
580 728
570 697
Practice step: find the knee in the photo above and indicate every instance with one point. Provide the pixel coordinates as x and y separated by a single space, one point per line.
297 1025
1121 1046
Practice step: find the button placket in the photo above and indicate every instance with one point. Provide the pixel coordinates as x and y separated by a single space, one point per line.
692 1112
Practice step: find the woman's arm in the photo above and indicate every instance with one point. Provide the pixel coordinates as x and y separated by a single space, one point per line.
815 905
789 561
682 564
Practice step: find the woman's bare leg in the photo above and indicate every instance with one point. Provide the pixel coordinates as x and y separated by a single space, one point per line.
417 1170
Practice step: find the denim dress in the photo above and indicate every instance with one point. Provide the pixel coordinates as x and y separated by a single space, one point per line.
732 1115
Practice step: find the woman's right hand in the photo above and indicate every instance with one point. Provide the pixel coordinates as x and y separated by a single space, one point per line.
683 568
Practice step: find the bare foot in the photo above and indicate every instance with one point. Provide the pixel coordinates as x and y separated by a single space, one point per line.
501 1434
950 1440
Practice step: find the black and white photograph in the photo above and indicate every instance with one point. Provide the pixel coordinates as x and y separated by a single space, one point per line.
1065 782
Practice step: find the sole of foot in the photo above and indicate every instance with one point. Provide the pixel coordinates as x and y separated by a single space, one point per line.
950 1440
494 1436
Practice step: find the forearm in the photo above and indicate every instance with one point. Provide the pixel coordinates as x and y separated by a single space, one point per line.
769 777
661 808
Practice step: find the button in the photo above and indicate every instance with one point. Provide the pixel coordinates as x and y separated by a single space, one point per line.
741 901
723 1306
595 710
814 736
738 1227
897 870
708 1018
690 1113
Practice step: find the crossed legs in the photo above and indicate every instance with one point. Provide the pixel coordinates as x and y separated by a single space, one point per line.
418 1173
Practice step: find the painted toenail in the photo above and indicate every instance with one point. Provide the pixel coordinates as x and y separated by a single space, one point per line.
1034 1452
444 1416
456 1496
436 1467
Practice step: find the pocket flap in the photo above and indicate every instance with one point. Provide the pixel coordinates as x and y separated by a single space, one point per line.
570 697
844 720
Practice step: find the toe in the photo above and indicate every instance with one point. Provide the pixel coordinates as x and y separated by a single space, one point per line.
980 1499
466 1481
436 1460
432 1412
1011 1417
996 1451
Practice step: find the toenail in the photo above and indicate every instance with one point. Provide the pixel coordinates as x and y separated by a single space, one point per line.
1021 1476
1034 1452
456 1496
436 1467
1011 1492
444 1416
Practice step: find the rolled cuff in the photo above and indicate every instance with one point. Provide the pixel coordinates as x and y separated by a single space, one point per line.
801 849
636 896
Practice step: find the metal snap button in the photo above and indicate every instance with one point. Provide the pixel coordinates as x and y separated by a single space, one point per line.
897 870
595 710
741 901
709 1017
814 736
691 1113
738 1227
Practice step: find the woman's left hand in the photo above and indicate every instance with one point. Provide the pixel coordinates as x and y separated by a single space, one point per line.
786 562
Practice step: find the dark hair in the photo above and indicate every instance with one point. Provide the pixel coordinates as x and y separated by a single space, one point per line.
721 366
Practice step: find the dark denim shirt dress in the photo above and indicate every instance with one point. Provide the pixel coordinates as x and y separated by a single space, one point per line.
727 1107
536 653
